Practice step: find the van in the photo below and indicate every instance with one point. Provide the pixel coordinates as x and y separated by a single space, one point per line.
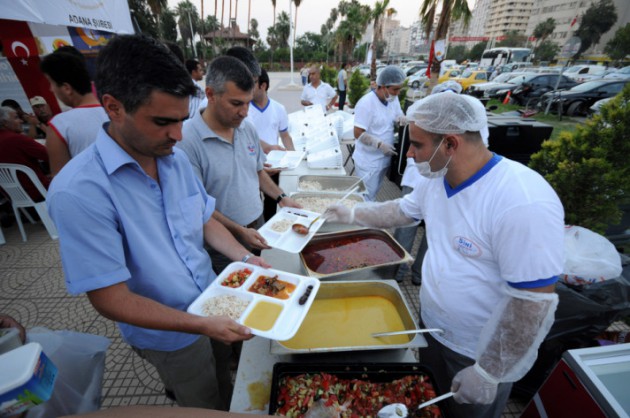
447 64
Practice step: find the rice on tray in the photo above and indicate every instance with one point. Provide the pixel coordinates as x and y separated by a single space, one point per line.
224 305
319 204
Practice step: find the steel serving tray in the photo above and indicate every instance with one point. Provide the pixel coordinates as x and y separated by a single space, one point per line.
372 372
404 256
332 184
387 289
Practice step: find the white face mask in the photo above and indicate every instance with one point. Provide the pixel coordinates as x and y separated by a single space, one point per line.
424 168
389 97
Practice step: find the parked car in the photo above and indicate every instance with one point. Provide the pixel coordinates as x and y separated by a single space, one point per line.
470 77
597 107
414 69
417 80
449 74
535 85
577 100
581 73
620 74
478 90
501 90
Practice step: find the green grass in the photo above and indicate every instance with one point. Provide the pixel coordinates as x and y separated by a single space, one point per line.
559 124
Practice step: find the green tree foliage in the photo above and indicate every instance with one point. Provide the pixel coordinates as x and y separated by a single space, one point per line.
546 51
355 18
457 53
310 47
451 11
188 22
589 168
357 87
544 29
168 25
378 13
513 39
278 34
329 74
619 46
596 21
477 50
142 16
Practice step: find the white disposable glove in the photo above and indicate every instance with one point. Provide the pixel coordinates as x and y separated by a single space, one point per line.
387 149
508 344
402 120
474 385
339 213
372 214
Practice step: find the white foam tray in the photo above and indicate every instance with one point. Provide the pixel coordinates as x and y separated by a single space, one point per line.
292 314
289 160
290 240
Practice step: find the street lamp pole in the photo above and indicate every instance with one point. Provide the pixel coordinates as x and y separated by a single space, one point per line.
192 35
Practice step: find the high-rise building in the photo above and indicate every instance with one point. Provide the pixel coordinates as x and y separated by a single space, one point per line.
507 16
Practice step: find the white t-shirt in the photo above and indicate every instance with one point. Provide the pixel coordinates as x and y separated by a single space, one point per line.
376 118
505 224
320 95
411 175
269 121
79 126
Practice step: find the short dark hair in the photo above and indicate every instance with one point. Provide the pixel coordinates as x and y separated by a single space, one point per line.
175 49
264 78
223 69
12 104
64 67
132 67
246 57
69 49
191 65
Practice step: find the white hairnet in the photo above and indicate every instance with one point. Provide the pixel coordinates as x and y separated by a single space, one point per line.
448 113
390 76
448 85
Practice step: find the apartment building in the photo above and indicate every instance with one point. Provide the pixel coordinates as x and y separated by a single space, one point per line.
508 15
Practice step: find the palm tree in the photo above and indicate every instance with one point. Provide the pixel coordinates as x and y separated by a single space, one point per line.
544 29
380 8
356 18
222 12
273 2
451 10
297 4
156 7
187 17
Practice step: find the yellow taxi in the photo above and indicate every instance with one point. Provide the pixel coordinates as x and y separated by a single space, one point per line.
470 77
449 74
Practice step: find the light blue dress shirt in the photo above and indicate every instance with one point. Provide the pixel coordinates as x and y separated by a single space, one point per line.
117 224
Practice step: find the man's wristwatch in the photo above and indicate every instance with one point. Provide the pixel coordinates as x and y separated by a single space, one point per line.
279 198
246 257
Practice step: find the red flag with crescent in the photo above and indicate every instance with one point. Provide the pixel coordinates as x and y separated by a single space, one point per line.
20 48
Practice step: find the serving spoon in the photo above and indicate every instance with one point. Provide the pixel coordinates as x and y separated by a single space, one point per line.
303 229
400 410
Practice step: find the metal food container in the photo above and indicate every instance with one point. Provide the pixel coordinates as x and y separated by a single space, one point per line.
371 372
332 237
333 184
387 289
328 226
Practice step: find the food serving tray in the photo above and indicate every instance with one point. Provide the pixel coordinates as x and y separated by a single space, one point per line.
331 184
279 234
350 329
335 253
283 315
370 372
326 199
288 160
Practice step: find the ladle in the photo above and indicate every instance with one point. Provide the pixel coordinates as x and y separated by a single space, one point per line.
303 229
400 410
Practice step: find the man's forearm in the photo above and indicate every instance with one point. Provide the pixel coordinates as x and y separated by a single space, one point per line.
267 185
229 224
220 238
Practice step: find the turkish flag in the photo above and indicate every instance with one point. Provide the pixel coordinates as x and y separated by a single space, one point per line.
431 58
20 48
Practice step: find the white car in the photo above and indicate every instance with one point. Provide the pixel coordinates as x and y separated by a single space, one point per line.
582 73
417 80
620 74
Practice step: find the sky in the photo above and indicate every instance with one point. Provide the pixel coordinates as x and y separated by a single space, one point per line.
312 14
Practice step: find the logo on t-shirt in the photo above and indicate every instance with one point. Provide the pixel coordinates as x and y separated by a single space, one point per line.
252 149
466 247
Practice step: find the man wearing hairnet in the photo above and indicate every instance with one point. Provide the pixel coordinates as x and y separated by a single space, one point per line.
374 118
495 237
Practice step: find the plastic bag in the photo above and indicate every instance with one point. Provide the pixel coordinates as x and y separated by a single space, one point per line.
589 257
80 359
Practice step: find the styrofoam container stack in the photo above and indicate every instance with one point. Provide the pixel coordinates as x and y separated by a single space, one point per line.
27 379
322 142
329 158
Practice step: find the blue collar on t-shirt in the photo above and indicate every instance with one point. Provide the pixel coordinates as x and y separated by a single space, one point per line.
259 109
450 191
383 102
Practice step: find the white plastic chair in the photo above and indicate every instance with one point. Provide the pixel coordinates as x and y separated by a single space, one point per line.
20 199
